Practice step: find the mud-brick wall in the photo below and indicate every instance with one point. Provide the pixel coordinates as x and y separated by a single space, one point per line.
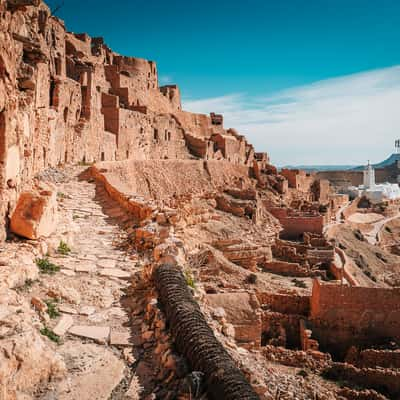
294 227
343 316
285 303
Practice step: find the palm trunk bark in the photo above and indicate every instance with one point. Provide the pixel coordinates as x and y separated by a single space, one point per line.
195 339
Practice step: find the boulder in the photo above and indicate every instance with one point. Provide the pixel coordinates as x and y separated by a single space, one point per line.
35 215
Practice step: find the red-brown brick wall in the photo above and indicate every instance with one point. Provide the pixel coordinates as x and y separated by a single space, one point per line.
342 316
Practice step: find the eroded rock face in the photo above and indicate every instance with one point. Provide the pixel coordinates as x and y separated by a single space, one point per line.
35 214
26 360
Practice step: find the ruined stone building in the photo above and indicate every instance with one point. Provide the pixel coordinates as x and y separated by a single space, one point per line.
147 252
67 98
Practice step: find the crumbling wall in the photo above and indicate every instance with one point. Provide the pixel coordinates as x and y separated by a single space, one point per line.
296 224
372 358
243 312
285 303
343 316
166 180
383 380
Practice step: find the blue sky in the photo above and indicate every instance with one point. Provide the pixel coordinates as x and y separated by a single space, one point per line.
315 73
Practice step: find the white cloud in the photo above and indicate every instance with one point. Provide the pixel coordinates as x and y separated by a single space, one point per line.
165 79
345 120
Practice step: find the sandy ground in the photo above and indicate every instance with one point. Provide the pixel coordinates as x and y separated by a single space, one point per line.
369 218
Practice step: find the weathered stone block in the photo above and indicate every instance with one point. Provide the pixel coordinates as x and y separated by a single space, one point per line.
35 215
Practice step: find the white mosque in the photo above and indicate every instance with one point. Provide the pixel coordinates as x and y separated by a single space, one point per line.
376 193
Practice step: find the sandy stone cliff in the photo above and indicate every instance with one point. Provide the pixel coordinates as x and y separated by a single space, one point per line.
68 98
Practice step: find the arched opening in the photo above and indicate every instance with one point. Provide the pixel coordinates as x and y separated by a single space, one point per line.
155 134
102 157
127 154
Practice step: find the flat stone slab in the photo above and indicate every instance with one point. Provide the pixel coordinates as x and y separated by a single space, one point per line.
63 325
115 273
106 263
68 272
84 267
66 265
88 257
87 310
67 309
100 334
116 312
120 338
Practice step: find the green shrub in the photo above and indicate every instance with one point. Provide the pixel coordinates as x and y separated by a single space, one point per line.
50 334
46 266
52 309
189 279
63 248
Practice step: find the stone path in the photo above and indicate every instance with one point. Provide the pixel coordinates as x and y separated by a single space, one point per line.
94 323
373 236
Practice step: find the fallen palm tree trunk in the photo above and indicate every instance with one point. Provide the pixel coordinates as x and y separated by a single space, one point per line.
195 339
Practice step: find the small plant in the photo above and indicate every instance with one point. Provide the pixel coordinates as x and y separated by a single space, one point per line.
27 285
46 266
50 334
61 195
63 248
303 373
189 279
252 279
298 283
85 163
74 217
52 309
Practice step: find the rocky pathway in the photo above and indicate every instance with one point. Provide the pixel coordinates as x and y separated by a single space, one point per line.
91 320
373 236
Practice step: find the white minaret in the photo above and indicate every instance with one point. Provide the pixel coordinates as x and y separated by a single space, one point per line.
369 177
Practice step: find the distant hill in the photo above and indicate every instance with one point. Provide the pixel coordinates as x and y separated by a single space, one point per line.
388 162
316 168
